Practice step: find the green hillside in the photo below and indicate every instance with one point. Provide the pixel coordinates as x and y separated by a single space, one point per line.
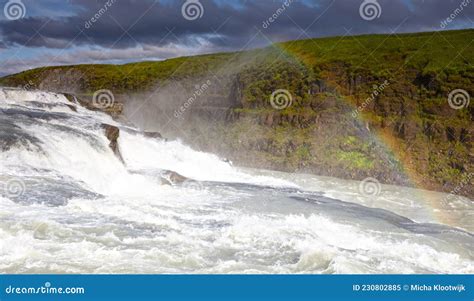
442 53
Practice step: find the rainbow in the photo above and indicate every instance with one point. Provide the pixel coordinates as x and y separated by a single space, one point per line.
433 201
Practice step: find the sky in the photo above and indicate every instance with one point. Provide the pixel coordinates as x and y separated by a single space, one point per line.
35 33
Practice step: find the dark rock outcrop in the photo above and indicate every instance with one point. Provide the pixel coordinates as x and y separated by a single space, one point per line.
155 135
112 133
172 178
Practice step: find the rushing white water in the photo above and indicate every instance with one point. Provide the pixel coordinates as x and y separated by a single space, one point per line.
69 205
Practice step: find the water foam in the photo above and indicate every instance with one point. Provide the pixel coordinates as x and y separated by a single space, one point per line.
137 225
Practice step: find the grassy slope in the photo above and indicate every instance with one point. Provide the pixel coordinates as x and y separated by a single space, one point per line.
449 51
123 78
444 53
411 115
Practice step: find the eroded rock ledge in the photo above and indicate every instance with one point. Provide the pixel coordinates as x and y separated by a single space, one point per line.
114 108
113 133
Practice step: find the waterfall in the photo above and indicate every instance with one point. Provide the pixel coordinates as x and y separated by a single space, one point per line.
68 204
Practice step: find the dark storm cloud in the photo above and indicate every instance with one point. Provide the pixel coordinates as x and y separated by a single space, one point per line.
117 31
224 24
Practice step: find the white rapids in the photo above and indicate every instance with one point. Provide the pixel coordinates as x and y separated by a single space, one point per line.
69 205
